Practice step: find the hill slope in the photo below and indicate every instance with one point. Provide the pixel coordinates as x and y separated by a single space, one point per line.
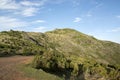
72 42
67 41
75 55
23 43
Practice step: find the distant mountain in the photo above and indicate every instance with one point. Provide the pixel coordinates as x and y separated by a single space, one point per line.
75 55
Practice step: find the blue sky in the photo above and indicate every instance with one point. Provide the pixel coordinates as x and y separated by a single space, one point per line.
99 18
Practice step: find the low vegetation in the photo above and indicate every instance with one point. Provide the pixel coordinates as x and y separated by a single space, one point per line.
66 53
36 74
75 68
22 43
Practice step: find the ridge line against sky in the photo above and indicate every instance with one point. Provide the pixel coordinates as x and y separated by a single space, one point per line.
99 18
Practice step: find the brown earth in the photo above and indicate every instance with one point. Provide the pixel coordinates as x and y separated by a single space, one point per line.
8 67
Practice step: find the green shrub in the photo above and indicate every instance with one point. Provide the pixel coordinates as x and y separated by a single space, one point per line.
36 63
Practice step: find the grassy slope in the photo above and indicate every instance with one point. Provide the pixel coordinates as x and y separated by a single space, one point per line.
37 74
67 41
65 49
79 56
24 43
71 42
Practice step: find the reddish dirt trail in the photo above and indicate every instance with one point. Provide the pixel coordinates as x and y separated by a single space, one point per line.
8 69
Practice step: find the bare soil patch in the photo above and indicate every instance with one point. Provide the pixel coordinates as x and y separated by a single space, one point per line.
8 67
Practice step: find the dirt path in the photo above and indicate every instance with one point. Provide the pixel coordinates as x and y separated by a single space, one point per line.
8 69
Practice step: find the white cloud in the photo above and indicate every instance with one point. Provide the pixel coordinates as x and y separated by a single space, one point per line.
23 7
77 19
39 29
114 30
8 4
29 11
39 21
28 3
30 8
8 23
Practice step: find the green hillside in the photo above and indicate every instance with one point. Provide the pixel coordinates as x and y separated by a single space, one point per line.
71 42
22 43
67 53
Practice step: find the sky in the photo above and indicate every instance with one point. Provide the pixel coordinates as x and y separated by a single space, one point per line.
98 18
